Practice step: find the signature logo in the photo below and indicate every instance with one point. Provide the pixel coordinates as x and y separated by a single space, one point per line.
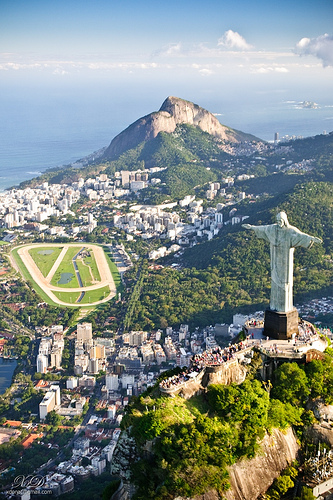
28 481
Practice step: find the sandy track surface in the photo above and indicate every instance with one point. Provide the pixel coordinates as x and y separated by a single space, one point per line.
44 283
56 264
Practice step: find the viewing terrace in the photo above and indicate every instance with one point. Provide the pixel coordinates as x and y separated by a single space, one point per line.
308 341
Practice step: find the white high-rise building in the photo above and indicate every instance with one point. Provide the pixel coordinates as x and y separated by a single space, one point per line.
127 379
56 357
71 383
218 217
42 363
112 382
84 332
51 399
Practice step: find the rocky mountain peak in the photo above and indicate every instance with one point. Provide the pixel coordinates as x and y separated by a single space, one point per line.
174 111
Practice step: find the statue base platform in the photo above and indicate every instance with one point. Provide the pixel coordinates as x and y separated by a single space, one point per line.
280 325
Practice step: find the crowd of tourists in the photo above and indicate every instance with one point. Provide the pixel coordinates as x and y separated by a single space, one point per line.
175 380
217 355
306 333
320 467
211 357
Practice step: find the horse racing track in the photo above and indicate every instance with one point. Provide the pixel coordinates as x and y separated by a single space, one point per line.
67 274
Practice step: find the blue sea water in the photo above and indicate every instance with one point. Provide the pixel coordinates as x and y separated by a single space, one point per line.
39 131
7 367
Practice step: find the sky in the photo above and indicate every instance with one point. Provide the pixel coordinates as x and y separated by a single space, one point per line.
235 58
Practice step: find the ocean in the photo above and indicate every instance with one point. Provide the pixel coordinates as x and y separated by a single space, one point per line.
7 367
41 131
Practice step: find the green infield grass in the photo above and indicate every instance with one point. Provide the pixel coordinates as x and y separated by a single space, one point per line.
85 273
26 275
45 257
90 297
91 262
67 297
65 275
95 295
114 270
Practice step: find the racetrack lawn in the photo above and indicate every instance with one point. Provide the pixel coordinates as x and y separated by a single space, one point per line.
84 273
114 270
26 275
91 262
67 297
95 295
45 262
66 266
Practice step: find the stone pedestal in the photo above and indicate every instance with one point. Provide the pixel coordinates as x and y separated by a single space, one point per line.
280 325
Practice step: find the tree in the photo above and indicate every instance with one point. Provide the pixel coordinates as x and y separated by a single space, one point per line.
53 419
110 490
291 384
306 494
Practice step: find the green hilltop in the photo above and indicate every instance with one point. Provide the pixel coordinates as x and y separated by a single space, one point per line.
231 272
185 447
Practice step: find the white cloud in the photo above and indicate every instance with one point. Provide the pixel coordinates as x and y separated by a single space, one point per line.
59 71
205 72
281 70
58 67
172 49
233 40
320 47
269 69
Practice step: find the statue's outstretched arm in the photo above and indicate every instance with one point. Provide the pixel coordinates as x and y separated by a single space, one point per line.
316 240
247 226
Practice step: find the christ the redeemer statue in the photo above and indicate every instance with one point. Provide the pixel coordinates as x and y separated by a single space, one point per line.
283 238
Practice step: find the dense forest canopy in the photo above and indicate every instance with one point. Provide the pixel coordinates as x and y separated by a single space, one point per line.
194 441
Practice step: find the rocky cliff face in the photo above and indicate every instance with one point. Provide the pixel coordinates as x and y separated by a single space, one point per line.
173 112
251 478
227 373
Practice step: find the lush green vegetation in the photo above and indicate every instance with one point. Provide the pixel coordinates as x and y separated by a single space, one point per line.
187 143
282 484
181 180
90 261
45 257
232 272
92 296
34 313
66 267
67 297
194 441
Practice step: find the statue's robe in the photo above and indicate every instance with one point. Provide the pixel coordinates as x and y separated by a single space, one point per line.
282 241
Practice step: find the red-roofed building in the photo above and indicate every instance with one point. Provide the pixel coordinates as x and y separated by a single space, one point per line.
30 439
42 385
13 423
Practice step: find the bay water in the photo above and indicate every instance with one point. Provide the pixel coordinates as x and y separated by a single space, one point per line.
42 131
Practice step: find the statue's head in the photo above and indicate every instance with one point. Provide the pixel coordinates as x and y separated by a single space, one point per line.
282 219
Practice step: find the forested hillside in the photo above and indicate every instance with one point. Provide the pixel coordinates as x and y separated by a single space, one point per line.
232 272
192 442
